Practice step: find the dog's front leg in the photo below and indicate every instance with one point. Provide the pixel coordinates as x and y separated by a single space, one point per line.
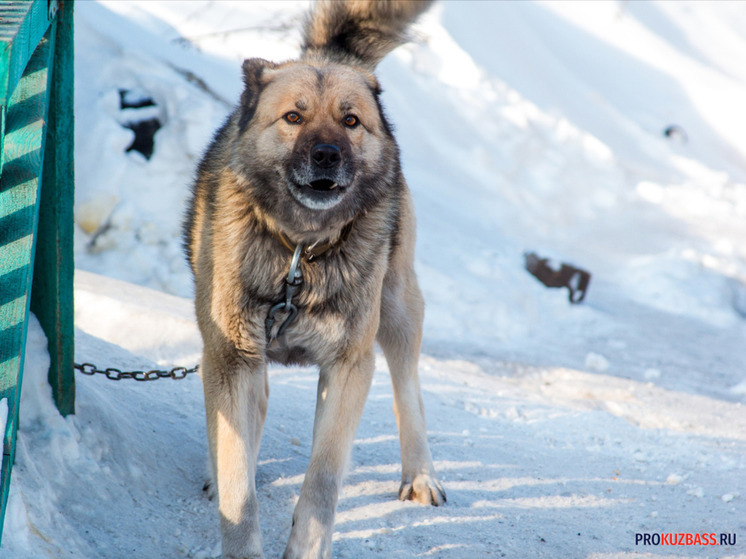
400 335
343 388
236 394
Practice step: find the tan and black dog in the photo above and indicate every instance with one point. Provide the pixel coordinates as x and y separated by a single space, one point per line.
301 238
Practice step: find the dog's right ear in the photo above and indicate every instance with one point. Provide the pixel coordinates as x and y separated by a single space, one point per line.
253 68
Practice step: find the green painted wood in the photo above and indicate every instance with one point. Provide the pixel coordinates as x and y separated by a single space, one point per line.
52 293
24 23
22 153
2 134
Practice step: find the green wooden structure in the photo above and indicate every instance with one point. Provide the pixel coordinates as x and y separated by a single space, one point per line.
36 201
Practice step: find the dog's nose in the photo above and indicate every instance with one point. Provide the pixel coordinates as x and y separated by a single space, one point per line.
326 156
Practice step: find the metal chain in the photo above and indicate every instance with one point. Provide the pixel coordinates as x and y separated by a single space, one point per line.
293 283
177 373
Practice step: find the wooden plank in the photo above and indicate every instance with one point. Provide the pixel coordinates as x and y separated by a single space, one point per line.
22 25
23 151
52 293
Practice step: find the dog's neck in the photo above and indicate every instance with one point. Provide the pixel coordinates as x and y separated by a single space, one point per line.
318 248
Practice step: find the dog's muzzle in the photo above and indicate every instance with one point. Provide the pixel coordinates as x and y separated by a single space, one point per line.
321 181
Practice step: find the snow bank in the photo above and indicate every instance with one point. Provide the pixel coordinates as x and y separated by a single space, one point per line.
531 456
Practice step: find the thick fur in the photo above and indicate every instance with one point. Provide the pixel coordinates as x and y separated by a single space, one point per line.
359 32
267 174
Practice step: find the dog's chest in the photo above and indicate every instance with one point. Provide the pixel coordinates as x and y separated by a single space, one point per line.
335 303
315 334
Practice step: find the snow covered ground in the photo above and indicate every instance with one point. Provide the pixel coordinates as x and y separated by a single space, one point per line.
559 430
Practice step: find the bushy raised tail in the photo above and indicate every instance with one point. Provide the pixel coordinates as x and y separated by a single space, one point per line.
359 32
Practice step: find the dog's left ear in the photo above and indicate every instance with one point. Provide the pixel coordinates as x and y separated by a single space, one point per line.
253 68
373 84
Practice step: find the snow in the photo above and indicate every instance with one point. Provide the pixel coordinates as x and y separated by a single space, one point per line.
558 430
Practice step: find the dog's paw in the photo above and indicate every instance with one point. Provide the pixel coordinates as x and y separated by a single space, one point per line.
424 489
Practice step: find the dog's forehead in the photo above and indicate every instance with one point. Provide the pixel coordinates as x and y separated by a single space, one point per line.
312 86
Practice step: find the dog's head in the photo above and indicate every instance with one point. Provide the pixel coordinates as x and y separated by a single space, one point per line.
313 144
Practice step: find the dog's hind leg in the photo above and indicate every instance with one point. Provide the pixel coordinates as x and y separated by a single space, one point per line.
236 405
342 391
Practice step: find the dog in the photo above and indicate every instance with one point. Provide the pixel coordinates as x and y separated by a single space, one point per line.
300 234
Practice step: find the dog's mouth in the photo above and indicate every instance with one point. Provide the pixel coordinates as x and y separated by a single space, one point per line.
318 194
324 185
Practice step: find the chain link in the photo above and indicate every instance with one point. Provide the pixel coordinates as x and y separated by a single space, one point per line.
177 373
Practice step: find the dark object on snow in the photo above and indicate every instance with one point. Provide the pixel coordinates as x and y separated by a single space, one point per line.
574 279
144 136
131 100
144 128
675 132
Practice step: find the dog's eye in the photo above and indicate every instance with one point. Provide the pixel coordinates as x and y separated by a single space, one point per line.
351 121
293 118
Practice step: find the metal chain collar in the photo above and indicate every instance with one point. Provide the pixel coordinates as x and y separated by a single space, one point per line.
177 373
293 283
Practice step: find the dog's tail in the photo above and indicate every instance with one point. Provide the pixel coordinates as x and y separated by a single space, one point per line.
359 32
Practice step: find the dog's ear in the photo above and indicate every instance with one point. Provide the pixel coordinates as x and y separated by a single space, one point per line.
373 84
253 70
